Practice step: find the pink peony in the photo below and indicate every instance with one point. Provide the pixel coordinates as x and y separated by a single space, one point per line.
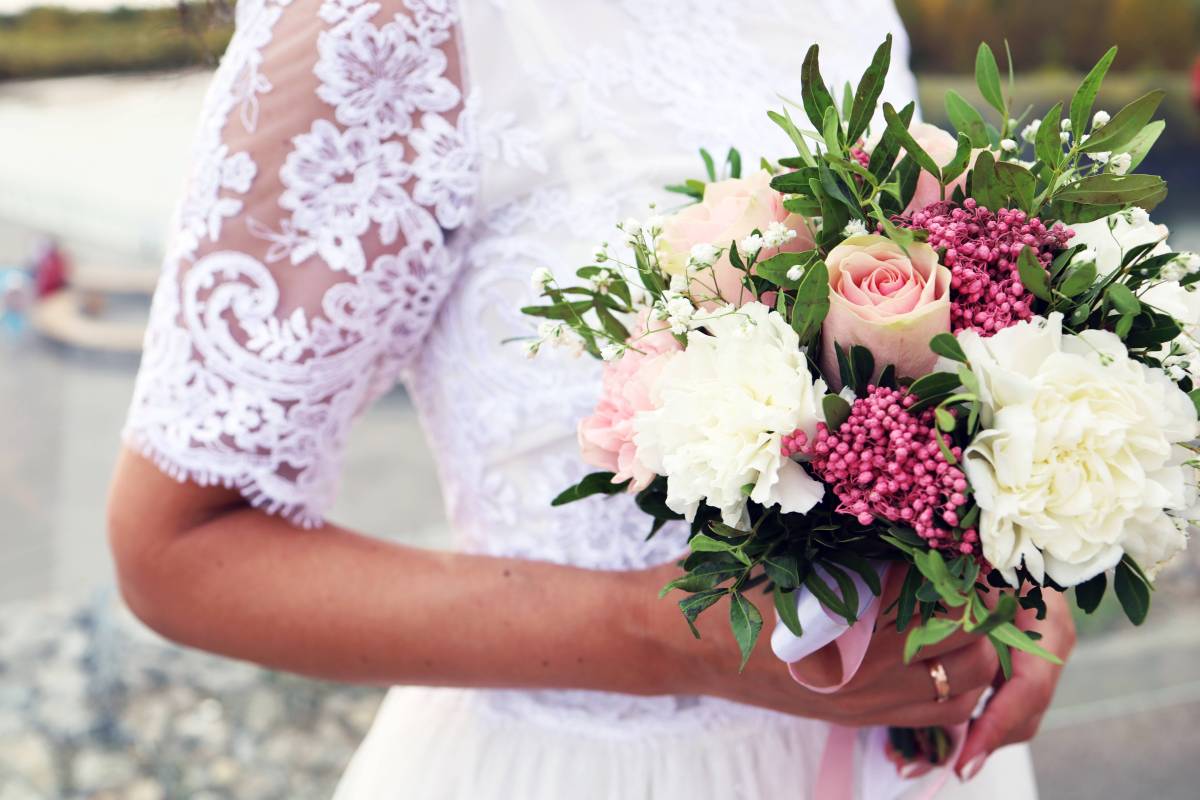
887 301
606 437
731 210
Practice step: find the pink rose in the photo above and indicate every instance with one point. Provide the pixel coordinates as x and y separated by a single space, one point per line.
941 147
886 301
731 210
606 437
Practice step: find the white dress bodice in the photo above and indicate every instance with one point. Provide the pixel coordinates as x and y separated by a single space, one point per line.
373 184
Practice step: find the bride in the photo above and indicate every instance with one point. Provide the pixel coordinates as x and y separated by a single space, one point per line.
374 180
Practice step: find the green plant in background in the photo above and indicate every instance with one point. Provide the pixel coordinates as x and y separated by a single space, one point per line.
47 42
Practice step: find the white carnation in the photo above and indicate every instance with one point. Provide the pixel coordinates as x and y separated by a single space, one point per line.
1080 456
722 407
1112 237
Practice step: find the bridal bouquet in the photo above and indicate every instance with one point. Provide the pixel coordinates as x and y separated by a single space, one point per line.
971 358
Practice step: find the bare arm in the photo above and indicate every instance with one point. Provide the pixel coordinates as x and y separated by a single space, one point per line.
200 566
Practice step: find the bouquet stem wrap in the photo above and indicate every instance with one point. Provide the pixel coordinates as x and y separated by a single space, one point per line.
852 753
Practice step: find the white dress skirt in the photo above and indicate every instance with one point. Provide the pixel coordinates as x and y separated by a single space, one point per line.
374 181
423 735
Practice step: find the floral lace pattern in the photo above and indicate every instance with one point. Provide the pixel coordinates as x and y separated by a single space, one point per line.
259 354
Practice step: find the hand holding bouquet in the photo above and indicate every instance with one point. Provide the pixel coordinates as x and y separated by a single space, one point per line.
902 350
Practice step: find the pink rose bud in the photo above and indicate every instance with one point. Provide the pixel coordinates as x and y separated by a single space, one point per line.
730 211
886 301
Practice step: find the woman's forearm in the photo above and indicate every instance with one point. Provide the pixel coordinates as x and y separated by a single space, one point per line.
337 605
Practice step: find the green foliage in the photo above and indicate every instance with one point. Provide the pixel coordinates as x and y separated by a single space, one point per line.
47 42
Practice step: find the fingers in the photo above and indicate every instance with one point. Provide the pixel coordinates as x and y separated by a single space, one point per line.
967 669
954 711
1013 715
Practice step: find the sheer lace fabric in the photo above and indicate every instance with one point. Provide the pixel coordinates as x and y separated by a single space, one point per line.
373 183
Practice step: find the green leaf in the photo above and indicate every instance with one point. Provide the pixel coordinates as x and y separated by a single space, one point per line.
812 302
935 384
828 597
982 185
1079 279
847 590
932 632
1047 144
900 131
1125 124
595 483
866 99
784 121
906 603
1140 145
831 133
945 421
987 77
775 269
1005 611
785 605
692 605
814 95
1004 654
966 119
1015 184
860 565
836 409
783 570
705 576
1013 636
1089 593
734 159
1133 592
1194 394
862 367
1122 299
883 157
944 344
709 167
1033 274
1109 189
746 622
703 543
958 164
1085 95
693 189
612 326
567 311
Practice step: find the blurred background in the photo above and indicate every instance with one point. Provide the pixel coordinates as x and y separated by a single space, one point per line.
95 96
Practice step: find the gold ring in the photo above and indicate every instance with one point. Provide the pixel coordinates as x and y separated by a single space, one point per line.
940 682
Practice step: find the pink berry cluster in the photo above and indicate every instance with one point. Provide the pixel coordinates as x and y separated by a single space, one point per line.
981 248
885 462
860 155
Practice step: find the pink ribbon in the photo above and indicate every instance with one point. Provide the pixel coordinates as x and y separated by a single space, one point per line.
836 775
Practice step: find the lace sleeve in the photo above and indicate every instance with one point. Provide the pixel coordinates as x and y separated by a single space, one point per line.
308 255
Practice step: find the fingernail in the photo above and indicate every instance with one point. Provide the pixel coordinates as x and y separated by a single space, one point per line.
973 766
909 770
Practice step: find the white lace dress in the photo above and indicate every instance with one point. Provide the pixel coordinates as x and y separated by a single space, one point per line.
373 184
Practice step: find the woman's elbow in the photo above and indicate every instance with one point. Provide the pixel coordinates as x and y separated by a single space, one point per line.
148 514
